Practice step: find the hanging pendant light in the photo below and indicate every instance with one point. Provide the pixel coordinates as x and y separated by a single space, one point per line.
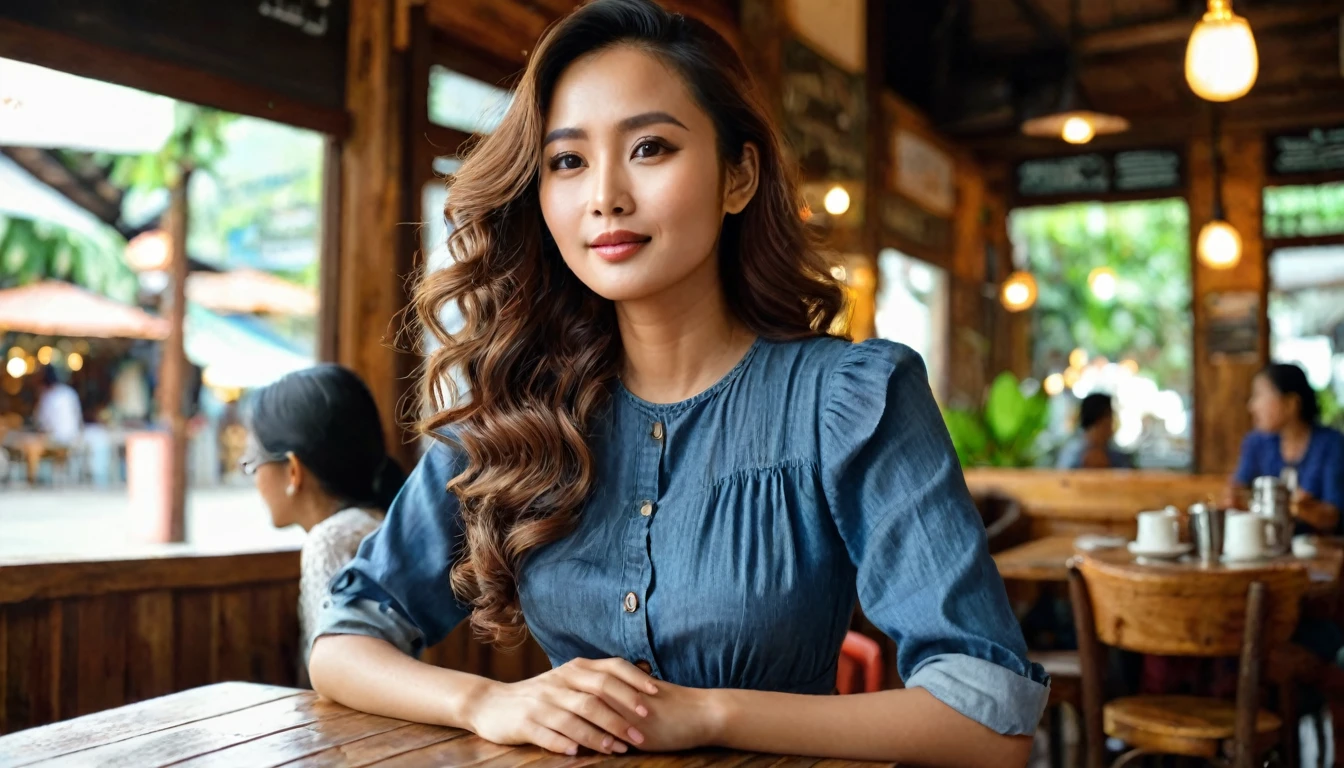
1219 243
1072 119
1221 61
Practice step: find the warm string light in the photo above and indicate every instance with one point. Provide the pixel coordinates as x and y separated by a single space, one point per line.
836 201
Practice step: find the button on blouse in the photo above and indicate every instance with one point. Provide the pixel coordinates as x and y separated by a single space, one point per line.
815 475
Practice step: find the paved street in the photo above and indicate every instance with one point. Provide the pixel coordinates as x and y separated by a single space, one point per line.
91 521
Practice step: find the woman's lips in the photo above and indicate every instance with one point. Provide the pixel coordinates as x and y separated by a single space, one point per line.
619 251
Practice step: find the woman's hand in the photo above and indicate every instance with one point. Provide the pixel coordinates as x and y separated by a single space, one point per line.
1319 514
681 718
586 703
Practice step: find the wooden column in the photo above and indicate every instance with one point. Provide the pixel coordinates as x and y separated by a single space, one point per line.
373 263
1223 384
173 368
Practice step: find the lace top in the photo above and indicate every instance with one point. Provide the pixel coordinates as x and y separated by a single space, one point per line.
330 546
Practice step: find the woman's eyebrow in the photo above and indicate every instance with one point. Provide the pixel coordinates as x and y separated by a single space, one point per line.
628 124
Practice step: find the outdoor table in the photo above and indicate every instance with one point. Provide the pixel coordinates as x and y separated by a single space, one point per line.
236 724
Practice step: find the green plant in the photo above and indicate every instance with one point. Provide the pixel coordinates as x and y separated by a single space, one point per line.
1004 431
1332 411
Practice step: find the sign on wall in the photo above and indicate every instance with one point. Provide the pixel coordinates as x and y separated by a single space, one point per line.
824 113
924 173
1101 174
1315 150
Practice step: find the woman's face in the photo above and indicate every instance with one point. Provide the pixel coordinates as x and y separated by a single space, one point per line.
1270 409
632 186
272 478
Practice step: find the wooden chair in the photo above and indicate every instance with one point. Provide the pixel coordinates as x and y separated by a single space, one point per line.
1183 612
1066 687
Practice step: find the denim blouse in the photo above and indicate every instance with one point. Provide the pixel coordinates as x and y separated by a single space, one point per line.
727 538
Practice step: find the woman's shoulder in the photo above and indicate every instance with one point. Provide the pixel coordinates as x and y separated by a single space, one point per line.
828 358
1332 438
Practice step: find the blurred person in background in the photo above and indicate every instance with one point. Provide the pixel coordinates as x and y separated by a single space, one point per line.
1288 435
1092 448
59 415
315 448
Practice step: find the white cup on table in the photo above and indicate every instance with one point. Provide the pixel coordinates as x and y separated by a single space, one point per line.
1243 536
1158 532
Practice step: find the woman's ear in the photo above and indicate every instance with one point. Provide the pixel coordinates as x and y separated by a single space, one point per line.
294 471
742 179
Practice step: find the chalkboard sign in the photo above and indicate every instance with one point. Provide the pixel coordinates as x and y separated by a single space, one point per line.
1101 174
295 48
824 113
1318 150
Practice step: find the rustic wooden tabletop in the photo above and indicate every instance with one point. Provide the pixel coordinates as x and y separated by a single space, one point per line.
243 724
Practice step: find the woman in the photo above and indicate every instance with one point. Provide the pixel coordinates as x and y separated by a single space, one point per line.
660 465
1288 436
315 447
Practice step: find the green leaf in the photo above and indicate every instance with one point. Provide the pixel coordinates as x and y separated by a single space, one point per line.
1005 408
968 436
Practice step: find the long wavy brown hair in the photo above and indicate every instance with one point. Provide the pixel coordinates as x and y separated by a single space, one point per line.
521 382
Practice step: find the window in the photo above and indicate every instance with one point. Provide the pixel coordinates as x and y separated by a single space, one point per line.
1113 315
1306 319
466 104
912 309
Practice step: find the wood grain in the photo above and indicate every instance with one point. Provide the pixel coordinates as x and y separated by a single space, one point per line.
383 746
262 725
138 572
39 744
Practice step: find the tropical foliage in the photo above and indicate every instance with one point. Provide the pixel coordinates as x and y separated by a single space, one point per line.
33 250
1005 431
1147 246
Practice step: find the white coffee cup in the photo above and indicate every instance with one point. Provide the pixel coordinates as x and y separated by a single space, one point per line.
1243 536
1158 532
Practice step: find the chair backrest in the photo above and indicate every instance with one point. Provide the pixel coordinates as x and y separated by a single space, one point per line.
1171 611
860 669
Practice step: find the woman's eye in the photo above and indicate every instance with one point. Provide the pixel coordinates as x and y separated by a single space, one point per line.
648 149
566 163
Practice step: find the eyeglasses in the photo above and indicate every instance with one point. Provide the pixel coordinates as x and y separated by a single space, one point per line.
256 456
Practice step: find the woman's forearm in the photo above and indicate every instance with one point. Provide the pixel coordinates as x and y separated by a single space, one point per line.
907 726
1321 515
372 676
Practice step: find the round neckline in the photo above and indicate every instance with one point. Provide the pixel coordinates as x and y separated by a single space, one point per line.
713 389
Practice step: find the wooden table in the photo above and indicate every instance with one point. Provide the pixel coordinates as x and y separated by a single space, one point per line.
243 724
1047 559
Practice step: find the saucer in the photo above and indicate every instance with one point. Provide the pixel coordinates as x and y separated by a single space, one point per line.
1169 553
1259 557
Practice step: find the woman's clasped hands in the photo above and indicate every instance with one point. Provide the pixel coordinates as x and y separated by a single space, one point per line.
604 705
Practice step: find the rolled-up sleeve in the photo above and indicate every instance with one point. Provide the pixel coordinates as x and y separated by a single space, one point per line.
397 588
925 576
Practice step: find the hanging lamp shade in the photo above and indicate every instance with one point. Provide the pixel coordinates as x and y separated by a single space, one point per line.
1072 119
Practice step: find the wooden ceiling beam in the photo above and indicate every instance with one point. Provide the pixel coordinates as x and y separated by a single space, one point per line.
1261 18
1041 22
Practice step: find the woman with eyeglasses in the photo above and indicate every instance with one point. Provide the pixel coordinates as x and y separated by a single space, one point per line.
316 450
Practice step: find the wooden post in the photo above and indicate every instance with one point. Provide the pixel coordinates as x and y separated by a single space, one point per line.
1223 383
373 263
173 366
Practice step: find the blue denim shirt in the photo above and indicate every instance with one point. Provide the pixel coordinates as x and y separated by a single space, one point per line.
728 536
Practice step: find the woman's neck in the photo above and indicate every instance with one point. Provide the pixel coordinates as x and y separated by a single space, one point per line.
1294 439
319 509
679 343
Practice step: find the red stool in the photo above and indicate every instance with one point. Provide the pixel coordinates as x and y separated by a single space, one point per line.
860 669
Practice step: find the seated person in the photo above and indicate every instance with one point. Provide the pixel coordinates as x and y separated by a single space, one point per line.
1092 448
1288 435
315 446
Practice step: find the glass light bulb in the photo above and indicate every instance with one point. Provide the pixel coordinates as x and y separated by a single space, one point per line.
1219 245
1078 130
1019 292
836 200
1221 60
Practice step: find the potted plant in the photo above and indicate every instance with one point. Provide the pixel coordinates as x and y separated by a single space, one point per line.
1004 431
